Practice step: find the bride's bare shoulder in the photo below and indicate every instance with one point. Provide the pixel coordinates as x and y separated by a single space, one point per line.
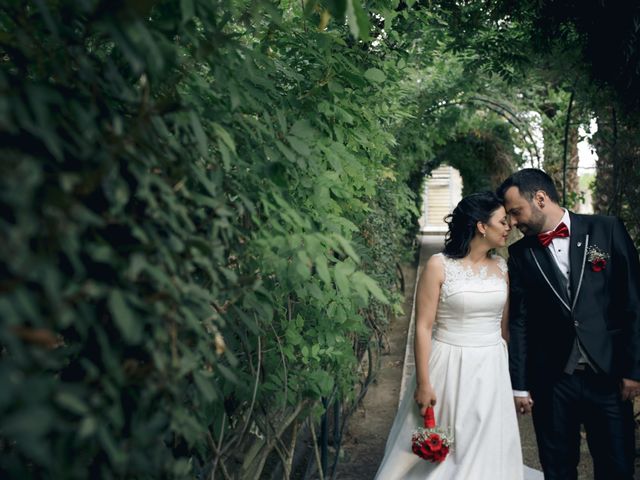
436 261
435 266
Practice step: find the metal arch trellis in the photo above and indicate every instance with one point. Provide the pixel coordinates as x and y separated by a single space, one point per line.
506 111
509 114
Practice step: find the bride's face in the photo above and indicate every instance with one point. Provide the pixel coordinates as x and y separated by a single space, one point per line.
497 228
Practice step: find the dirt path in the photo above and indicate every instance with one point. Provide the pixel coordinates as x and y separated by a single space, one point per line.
365 439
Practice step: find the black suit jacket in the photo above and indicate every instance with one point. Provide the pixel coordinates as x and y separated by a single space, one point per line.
601 308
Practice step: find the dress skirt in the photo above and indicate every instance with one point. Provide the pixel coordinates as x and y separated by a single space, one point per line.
469 373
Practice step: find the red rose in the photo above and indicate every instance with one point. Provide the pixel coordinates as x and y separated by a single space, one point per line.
438 456
598 265
435 442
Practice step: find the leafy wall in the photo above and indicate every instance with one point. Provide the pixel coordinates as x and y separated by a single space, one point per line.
189 196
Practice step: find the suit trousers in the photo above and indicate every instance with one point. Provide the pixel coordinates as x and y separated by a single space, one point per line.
593 400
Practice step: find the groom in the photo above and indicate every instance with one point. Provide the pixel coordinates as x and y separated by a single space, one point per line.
574 329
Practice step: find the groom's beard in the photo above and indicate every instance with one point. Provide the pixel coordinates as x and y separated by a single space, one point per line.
535 224
525 229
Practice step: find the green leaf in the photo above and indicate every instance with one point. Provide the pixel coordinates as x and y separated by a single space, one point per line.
375 289
129 326
187 9
347 248
302 264
375 75
299 146
115 454
286 151
302 129
88 427
321 383
341 273
357 19
224 136
198 132
360 287
227 373
71 402
323 269
205 384
293 337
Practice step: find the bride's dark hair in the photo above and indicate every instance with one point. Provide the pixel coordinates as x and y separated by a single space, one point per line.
474 208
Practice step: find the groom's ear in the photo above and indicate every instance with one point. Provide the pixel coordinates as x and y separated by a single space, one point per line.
540 198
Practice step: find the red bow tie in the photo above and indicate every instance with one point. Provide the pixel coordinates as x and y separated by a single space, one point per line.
561 231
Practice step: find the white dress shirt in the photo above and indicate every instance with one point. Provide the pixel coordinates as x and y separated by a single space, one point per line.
559 249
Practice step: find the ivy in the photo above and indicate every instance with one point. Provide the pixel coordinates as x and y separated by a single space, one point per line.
188 268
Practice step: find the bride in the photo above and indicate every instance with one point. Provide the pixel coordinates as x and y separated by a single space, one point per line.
461 356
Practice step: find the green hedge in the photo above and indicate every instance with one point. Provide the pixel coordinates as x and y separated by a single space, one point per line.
189 193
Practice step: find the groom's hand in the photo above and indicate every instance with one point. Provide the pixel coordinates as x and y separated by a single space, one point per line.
629 389
523 404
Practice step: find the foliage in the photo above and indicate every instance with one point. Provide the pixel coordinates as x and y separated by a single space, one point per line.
549 52
483 157
618 169
604 35
187 195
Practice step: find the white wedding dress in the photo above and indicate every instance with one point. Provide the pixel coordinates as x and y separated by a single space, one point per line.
469 371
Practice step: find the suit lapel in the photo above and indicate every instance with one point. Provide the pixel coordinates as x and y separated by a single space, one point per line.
549 270
579 242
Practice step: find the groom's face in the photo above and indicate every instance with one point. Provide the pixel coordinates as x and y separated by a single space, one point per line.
523 213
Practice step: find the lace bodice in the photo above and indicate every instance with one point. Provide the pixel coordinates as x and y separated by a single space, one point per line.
458 275
472 301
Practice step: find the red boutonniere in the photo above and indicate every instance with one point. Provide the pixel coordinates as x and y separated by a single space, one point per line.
597 258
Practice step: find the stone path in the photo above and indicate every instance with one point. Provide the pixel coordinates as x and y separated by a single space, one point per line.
366 435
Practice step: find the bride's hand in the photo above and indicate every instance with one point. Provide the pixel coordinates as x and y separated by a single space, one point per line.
424 397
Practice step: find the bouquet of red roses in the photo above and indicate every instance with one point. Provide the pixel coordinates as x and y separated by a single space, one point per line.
431 443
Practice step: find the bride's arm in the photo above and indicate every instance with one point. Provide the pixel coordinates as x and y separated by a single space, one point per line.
427 296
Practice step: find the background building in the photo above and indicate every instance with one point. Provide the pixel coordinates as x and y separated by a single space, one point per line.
441 193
